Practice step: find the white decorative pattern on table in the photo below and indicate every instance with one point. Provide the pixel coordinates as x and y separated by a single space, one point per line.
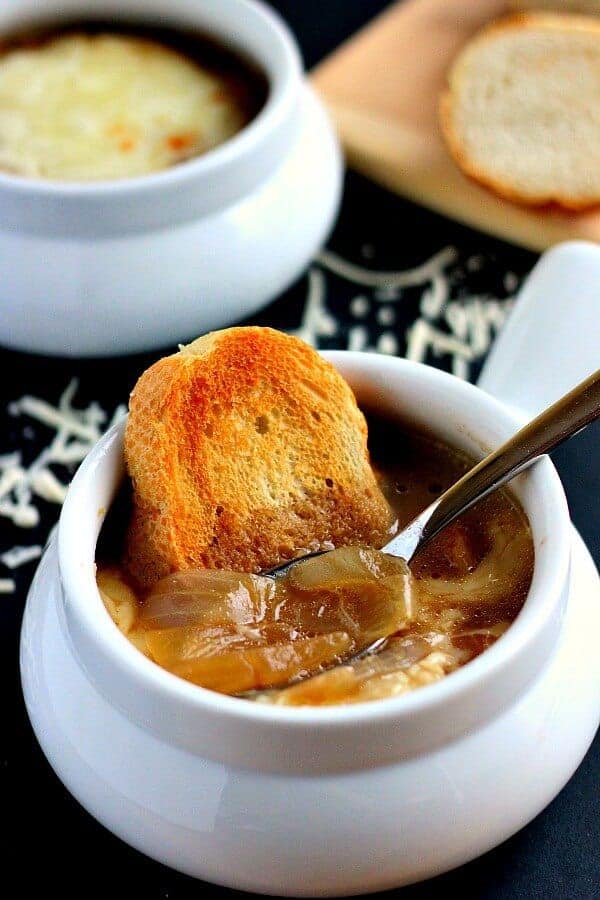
422 312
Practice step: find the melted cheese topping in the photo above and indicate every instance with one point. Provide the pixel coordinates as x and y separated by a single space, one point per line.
85 107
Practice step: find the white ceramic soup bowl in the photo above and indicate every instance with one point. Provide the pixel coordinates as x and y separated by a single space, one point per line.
309 801
123 265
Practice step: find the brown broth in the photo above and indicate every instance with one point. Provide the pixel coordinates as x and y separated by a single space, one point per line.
468 586
413 470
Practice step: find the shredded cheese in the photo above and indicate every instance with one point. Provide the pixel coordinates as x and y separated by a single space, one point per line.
20 556
461 327
76 432
23 485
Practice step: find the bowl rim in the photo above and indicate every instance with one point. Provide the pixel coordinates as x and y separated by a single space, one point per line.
551 568
283 85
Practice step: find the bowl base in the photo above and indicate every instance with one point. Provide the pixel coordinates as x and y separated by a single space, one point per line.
349 833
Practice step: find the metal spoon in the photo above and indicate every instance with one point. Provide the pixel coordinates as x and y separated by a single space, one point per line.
562 420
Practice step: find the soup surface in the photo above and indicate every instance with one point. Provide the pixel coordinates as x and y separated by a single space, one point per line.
103 101
251 635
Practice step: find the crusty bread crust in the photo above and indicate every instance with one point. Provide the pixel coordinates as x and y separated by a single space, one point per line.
244 448
584 7
448 98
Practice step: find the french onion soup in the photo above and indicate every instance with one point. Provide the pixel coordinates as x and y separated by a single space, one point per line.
195 600
108 100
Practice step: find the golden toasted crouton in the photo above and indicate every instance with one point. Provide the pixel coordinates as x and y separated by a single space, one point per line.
245 448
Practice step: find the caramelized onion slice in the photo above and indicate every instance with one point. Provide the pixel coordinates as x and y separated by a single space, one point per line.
407 663
207 597
118 597
356 589
225 661
345 684
360 592
373 612
332 687
503 570
346 567
171 646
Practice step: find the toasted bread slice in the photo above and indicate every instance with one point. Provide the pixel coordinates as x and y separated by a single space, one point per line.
522 112
245 448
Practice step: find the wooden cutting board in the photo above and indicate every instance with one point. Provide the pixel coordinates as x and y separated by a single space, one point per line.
382 89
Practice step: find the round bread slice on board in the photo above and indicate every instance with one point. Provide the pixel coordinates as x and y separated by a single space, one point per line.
245 448
522 110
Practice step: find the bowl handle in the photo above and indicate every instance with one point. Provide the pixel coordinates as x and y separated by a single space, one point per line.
551 340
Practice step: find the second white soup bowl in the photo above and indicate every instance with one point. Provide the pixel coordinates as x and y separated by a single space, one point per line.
119 266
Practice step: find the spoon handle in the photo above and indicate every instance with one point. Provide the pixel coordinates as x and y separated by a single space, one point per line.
557 423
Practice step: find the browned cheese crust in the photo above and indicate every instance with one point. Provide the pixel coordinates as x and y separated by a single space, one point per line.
244 448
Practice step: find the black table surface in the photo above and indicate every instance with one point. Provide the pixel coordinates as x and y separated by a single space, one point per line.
53 843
